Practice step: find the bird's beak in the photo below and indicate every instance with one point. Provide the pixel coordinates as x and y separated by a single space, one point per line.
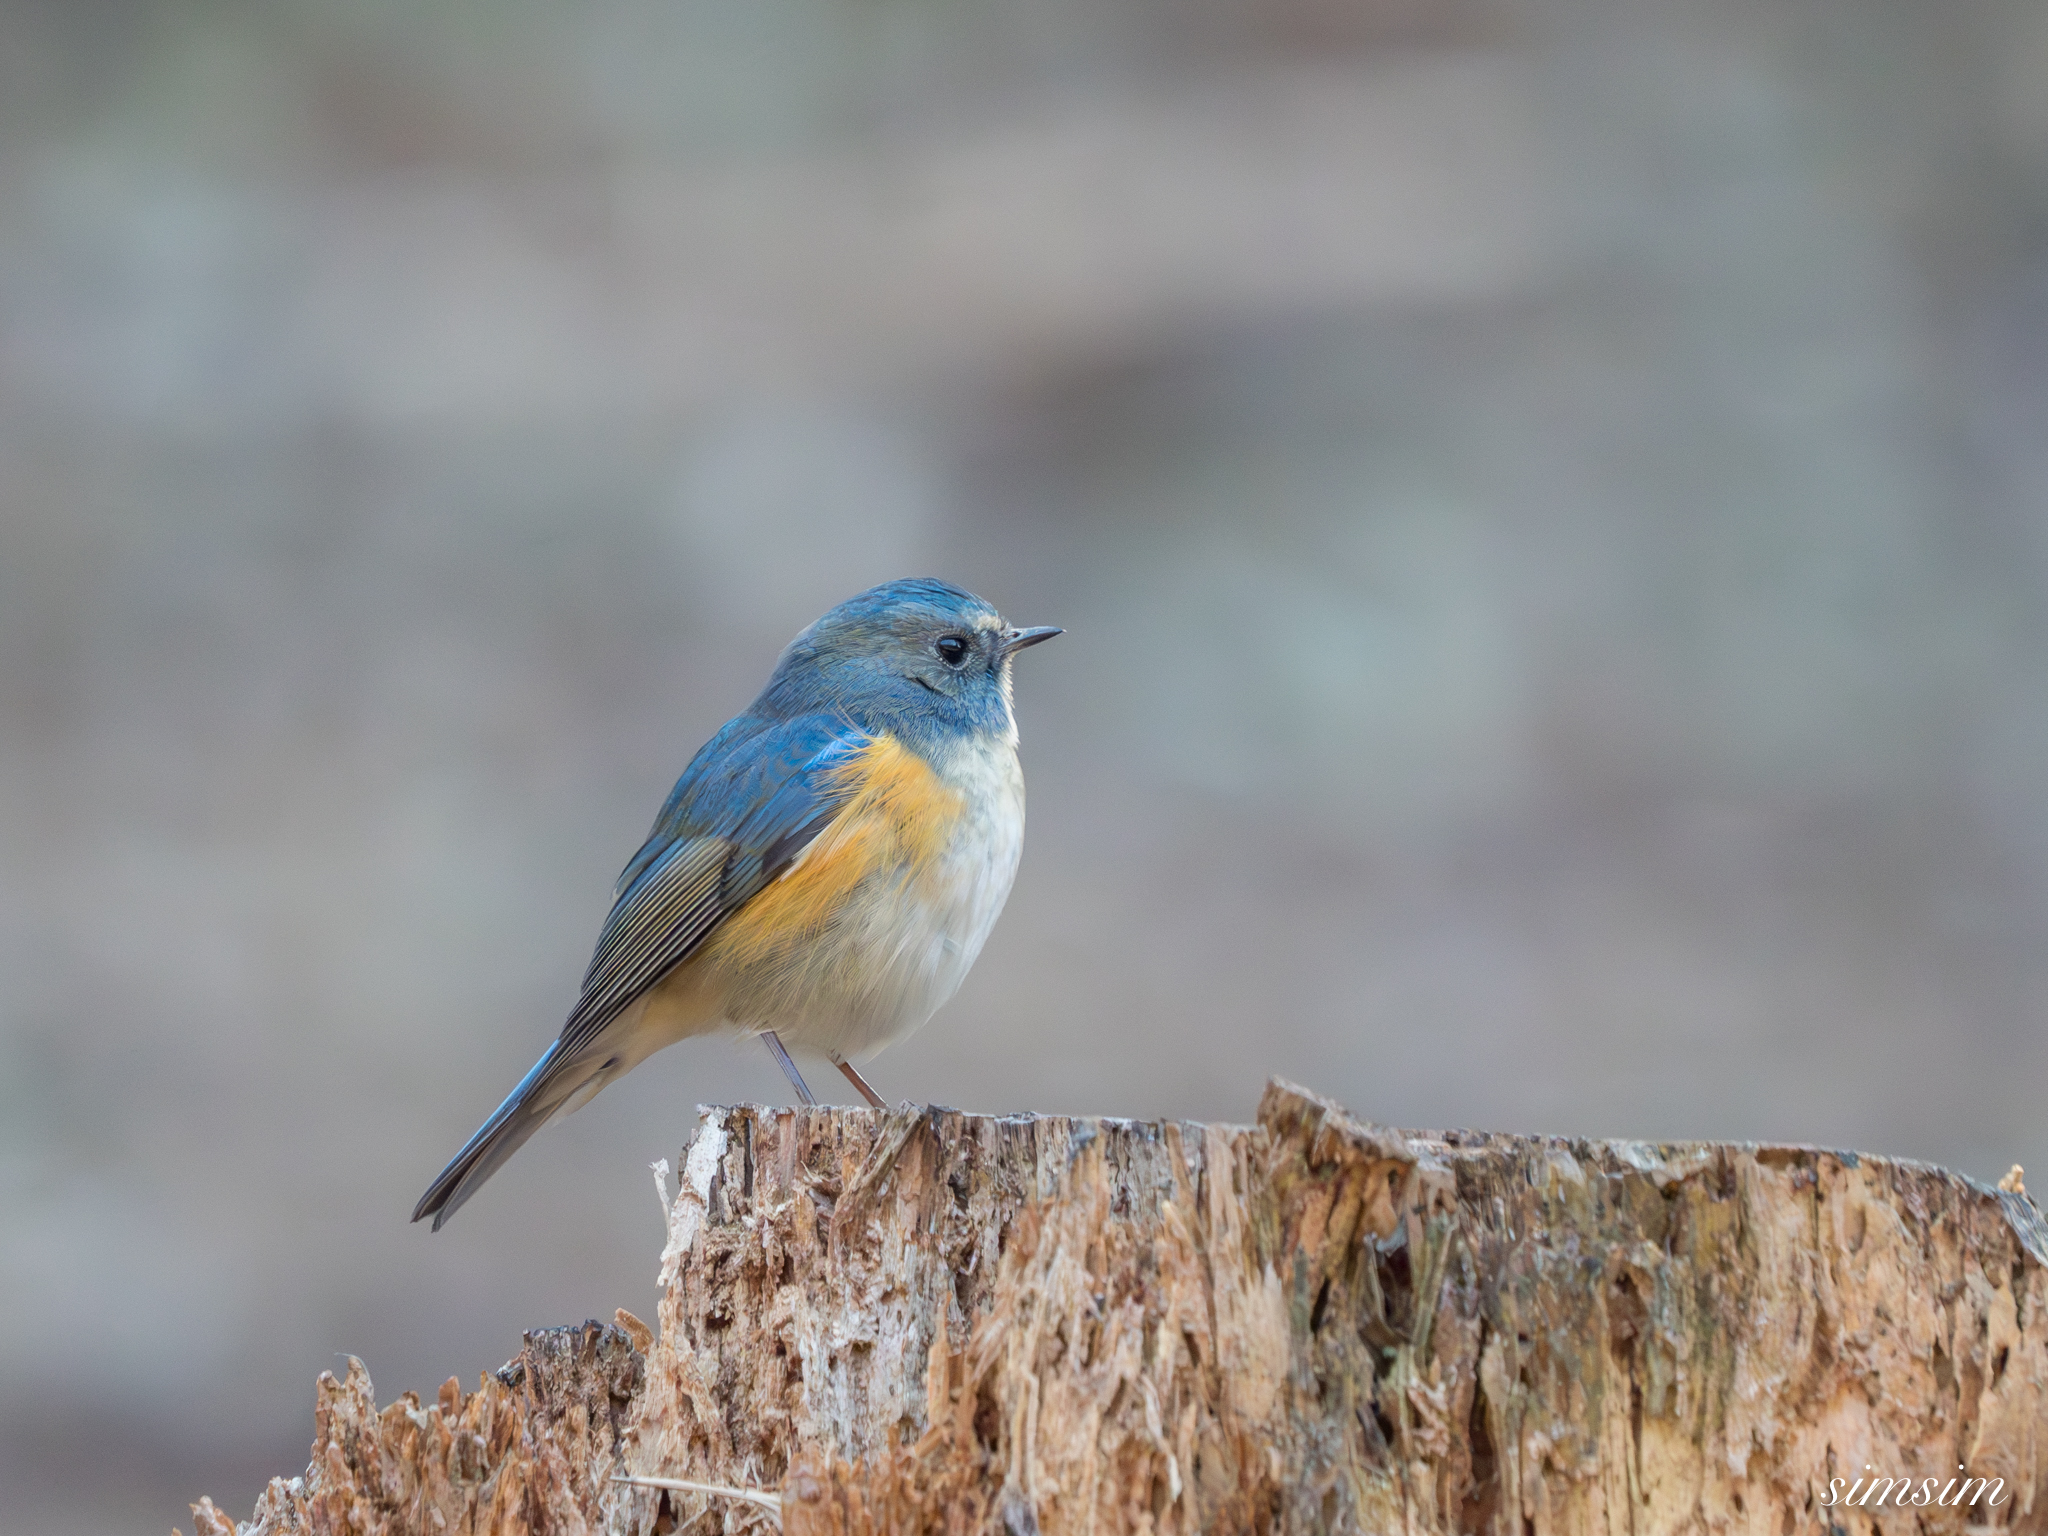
1015 640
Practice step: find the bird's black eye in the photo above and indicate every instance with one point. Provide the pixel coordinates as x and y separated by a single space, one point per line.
952 650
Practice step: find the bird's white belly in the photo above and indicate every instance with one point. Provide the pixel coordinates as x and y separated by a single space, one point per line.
903 941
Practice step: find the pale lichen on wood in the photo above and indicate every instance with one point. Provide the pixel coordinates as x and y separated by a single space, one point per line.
930 1321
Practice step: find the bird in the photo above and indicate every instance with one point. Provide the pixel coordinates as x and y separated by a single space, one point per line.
822 875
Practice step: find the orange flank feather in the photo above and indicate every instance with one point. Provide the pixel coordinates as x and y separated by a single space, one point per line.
898 820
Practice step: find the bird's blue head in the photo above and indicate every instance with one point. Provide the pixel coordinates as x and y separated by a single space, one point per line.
919 657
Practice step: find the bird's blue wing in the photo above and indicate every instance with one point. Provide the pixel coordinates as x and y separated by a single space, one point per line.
747 805
742 811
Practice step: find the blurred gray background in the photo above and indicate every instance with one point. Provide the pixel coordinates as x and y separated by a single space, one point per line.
1549 499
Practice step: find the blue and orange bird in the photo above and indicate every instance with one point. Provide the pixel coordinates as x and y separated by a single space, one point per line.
822 875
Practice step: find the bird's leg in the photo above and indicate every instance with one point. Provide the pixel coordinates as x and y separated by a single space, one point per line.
796 1078
859 1082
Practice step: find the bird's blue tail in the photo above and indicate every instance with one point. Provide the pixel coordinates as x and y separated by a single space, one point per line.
524 1111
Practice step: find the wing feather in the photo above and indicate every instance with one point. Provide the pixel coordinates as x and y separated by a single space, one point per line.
749 803
660 920
742 812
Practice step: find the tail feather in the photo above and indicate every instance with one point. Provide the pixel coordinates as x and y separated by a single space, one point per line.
525 1110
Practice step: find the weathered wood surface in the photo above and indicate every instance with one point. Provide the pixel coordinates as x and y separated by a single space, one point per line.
531 1450
929 1321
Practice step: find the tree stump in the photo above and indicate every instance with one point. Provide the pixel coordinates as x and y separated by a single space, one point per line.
927 1321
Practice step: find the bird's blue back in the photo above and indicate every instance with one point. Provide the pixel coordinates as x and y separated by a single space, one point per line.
767 773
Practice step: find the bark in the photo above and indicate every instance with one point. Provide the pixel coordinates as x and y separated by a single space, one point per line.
928 1321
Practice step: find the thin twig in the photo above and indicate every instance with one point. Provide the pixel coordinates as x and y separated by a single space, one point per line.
772 1502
